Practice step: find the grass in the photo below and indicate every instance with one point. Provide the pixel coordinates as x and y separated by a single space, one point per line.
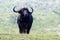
34 36
45 24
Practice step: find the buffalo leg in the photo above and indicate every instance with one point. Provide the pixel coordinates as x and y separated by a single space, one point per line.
28 28
20 28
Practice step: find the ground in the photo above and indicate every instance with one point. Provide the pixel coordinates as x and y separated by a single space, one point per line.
35 36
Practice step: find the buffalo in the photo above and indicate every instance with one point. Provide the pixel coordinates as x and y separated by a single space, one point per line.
24 20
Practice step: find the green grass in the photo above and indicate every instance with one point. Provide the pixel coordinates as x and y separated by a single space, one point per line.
34 36
44 27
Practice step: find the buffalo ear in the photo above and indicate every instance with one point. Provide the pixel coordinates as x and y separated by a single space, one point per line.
30 12
20 12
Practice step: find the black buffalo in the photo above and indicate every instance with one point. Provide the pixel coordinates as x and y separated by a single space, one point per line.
24 20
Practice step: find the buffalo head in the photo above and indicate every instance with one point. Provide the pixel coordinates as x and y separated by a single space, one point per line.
23 11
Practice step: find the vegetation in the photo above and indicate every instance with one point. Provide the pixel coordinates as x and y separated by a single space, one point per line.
46 24
29 37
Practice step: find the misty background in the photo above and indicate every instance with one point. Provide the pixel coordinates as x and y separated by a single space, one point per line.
46 15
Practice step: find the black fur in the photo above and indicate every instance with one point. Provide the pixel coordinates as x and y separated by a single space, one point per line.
24 20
